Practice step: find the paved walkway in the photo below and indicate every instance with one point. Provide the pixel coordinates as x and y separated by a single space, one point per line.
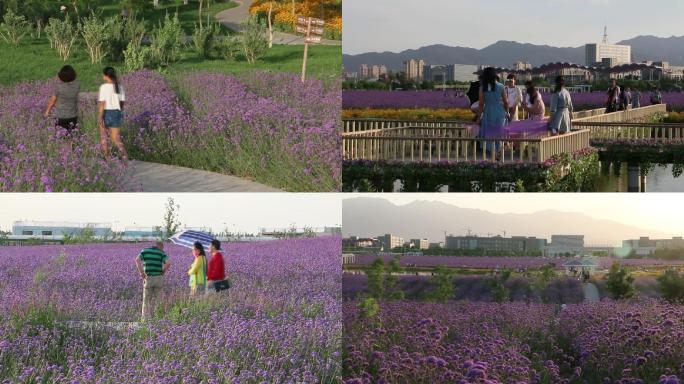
591 293
153 177
232 18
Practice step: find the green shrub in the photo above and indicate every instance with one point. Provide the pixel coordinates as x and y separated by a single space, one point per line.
204 40
125 31
62 35
167 40
671 286
254 40
443 282
620 283
13 28
135 57
96 34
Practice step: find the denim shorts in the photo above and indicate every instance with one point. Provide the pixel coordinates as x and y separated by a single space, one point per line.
113 118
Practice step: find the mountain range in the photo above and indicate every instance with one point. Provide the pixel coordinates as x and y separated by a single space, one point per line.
505 53
370 217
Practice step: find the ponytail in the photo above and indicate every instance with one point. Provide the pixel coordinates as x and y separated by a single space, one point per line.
111 73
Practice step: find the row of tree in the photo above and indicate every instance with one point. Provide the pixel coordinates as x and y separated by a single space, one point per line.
383 279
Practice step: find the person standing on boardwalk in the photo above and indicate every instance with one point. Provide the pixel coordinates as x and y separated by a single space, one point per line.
110 112
216 272
514 96
561 109
636 98
65 99
613 97
198 270
152 264
493 114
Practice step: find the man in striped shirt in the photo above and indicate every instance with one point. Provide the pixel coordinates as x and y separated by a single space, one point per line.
152 264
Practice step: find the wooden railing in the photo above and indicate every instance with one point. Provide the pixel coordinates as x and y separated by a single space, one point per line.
362 125
460 149
657 131
625 116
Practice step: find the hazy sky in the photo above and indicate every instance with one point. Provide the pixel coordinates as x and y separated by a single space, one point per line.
245 212
396 25
657 211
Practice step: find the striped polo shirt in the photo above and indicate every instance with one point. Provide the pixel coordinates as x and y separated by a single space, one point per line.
153 261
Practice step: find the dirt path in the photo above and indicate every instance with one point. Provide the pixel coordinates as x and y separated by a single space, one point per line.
591 293
232 18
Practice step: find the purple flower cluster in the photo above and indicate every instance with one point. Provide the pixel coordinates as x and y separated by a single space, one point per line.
374 99
37 156
267 126
280 322
462 342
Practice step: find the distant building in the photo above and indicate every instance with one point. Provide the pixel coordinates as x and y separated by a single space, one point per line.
562 245
645 246
390 241
613 54
496 243
414 69
57 230
436 245
419 243
140 234
522 66
450 72
364 71
358 242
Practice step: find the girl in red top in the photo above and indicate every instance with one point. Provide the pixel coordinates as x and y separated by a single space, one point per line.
216 270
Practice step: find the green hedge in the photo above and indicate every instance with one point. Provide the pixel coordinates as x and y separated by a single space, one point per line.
563 173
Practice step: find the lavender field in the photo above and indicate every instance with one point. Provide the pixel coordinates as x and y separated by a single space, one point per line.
465 342
264 126
280 322
492 262
374 99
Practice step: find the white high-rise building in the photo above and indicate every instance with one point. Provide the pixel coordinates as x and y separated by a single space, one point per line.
617 54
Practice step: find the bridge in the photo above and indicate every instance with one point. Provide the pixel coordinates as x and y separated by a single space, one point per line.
455 141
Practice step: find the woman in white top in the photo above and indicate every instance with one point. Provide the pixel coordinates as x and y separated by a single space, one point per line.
110 112
534 104
561 109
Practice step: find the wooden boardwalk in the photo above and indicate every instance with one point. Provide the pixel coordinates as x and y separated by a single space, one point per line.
152 177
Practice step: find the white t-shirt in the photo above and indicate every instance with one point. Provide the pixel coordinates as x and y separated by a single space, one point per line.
514 96
110 97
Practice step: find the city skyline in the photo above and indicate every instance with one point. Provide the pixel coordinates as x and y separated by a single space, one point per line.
238 212
581 22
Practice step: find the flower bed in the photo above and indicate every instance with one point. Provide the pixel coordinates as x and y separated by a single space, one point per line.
280 321
36 155
462 342
642 151
410 114
566 173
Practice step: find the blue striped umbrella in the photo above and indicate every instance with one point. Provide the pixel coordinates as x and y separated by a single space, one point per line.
188 238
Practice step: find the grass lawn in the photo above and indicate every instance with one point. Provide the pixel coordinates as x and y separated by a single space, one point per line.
188 14
34 60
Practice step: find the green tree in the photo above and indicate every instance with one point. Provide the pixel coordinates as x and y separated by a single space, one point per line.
253 40
13 28
62 35
671 286
375 272
391 280
620 282
171 221
442 280
4 236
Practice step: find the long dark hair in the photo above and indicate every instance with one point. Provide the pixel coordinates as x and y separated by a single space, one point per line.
488 79
111 73
560 83
532 93
198 246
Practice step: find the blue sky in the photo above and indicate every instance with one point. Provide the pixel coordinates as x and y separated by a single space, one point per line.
395 25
